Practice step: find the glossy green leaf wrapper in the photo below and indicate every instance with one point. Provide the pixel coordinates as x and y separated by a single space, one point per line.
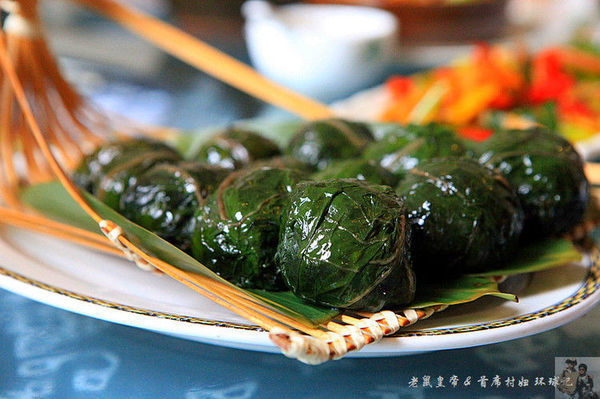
320 142
119 179
237 230
94 167
547 174
360 169
464 216
235 148
344 243
165 198
406 146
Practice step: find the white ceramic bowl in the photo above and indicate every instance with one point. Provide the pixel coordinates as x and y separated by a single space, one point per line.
324 51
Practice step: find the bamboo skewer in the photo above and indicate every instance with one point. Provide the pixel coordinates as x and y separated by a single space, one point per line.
17 221
51 224
209 59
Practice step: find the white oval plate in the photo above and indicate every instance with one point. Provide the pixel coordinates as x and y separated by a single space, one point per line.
109 288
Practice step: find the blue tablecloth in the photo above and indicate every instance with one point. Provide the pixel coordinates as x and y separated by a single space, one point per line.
50 353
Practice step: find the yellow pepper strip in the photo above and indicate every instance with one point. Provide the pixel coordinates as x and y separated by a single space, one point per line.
471 104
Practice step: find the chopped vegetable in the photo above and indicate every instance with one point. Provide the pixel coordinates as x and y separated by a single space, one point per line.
558 87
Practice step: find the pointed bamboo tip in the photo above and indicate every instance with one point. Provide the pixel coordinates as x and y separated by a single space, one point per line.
306 349
281 339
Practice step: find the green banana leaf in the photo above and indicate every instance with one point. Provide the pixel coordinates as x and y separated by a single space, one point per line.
460 290
534 257
537 256
53 201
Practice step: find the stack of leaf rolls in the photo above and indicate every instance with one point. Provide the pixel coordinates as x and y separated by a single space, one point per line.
340 218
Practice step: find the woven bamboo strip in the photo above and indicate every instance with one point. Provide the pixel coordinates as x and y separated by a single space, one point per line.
19 93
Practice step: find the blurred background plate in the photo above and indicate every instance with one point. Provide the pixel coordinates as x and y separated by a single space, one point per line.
436 22
369 104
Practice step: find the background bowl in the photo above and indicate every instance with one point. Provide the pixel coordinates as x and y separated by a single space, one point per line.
324 51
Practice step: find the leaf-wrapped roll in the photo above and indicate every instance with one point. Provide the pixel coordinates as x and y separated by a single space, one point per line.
344 243
116 182
405 147
360 169
166 197
547 174
320 142
94 167
464 216
235 148
237 230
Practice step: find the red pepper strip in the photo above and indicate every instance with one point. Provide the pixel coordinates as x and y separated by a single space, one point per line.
574 107
475 133
399 86
489 64
549 81
482 52
503 100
